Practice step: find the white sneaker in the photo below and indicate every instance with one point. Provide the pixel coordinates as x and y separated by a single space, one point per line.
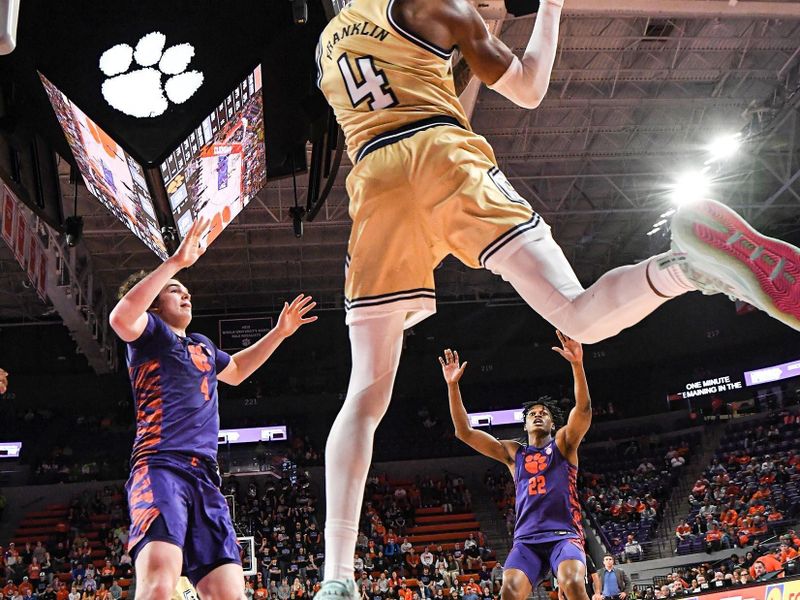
337 589
725 255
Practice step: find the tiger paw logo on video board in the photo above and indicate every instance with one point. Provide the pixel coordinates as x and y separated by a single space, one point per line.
141 92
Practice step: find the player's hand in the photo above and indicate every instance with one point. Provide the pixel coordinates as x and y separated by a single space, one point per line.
293 315
570 349
3 381
622 595
193 245
451 369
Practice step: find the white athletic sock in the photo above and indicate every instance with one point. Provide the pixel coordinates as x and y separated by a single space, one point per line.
666 275
339 533
376 345
541 274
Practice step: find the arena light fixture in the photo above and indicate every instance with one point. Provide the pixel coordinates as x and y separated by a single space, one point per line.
654 231
691 186
723 147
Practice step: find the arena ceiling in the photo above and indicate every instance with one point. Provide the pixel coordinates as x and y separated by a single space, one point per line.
633 102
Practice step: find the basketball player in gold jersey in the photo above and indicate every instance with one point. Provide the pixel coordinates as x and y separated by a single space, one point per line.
423 186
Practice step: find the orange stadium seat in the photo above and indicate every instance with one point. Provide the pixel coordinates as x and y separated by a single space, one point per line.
444 527
445 517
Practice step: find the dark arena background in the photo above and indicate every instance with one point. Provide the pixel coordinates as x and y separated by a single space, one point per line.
690 473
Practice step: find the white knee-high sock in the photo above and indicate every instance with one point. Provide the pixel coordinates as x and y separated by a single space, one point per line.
541 274
376 345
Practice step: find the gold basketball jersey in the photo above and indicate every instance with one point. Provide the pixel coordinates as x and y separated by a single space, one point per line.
184 590
379 77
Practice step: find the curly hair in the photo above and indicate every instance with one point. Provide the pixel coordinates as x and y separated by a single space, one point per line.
131 281
552 407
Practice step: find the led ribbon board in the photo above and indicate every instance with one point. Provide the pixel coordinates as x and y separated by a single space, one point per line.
249 435
10 449
773 373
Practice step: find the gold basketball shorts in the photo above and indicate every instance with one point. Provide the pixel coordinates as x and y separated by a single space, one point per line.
417 194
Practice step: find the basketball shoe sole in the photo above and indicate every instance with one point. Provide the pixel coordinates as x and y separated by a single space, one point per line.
724 254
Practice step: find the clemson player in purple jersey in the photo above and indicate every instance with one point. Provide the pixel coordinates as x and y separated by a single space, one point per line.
548 531
179 519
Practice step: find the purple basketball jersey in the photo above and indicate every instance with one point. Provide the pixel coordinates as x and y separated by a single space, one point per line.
174 382
547 497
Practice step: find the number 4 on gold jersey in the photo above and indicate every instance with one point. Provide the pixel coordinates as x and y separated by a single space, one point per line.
371 85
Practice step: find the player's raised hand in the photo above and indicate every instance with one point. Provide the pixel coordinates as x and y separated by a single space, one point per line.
193 245
3 381
293 315
570 349
451 369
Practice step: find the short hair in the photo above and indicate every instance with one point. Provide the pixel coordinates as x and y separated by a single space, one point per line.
605 556
551 406
130 282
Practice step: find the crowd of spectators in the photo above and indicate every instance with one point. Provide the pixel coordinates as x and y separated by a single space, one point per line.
626 497
281 516
84 559
748 491
762 563
388 565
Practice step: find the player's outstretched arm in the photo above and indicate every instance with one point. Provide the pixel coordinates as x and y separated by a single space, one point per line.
523 81
245 362
580 417
129 317
478 440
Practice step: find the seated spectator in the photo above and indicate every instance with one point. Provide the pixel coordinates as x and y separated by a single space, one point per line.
426 558
358 564
453 569
471 594
425 581
683 531
473 586
472 555
25 588
115 591
713 539
484 575
458 556
760 573
497 576
412 563
633 550
404 593
786 552
10 590
719 580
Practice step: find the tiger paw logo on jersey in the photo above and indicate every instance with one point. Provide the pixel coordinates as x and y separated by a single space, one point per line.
199 358
535 463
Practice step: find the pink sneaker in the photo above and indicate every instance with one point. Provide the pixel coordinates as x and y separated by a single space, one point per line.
725 255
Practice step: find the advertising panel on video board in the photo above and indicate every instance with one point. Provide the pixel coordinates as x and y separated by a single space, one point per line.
216 171
110 174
